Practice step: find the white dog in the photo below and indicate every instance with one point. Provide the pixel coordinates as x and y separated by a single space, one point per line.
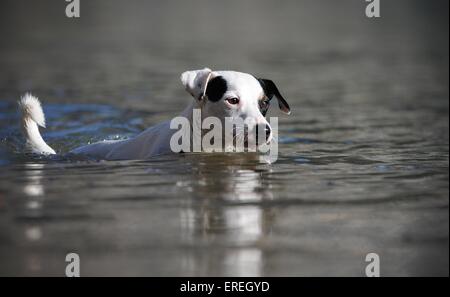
216 93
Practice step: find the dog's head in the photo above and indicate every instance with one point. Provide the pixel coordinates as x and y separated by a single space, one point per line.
236 95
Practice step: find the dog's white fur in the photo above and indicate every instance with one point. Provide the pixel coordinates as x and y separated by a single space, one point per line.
156 140
32 117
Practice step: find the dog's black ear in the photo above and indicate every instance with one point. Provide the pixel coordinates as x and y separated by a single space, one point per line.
270 89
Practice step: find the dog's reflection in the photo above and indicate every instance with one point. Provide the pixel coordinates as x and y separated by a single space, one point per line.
34 192
230 211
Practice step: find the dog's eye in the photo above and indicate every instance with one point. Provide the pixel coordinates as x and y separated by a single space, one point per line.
232 101
264 103
264 106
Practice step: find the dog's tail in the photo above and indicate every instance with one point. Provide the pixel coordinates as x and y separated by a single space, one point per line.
32 117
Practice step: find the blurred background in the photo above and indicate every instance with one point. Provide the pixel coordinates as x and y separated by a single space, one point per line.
363 163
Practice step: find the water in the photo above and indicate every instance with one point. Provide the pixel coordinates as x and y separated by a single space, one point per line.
363 159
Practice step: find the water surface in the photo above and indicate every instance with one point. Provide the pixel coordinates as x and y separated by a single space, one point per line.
363 159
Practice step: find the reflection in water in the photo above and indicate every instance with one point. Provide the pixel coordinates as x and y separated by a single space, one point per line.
33 233
34 190
234 215
244 262
33 187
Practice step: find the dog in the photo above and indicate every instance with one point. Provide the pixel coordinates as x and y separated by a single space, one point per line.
219 94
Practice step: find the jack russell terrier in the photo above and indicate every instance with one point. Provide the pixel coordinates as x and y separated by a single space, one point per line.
220 94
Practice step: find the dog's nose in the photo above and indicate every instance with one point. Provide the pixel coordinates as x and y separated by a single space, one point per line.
265 128
268 131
